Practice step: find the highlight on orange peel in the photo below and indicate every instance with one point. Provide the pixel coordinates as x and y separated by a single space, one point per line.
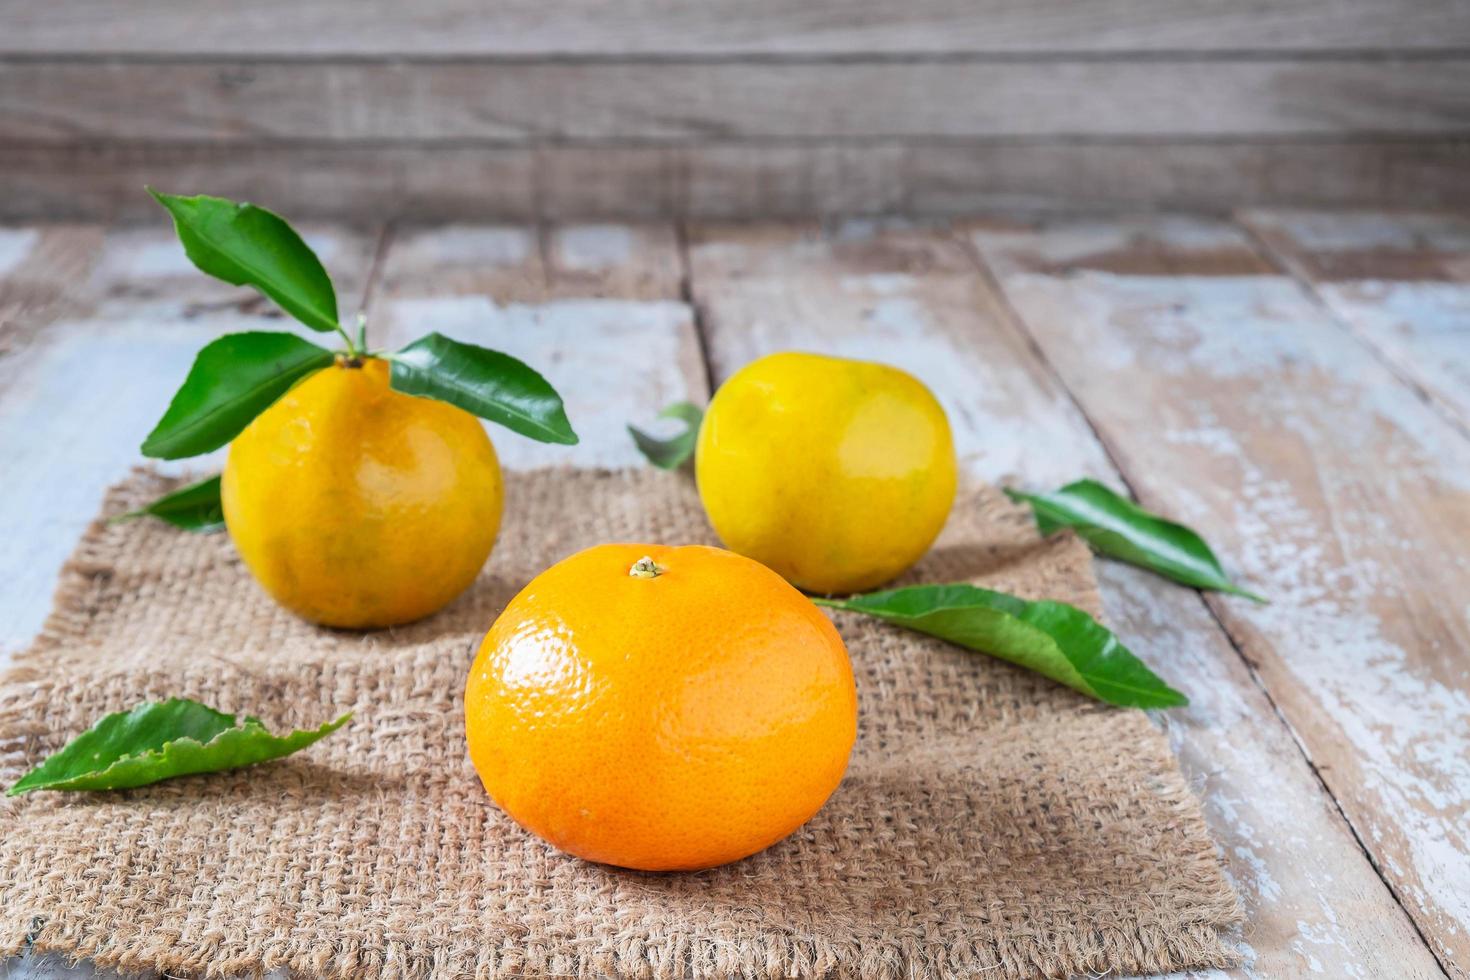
660 708
357 506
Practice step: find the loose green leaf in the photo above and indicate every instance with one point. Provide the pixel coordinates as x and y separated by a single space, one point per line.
1052 638
249 246
233 379
671 453
486 383
195 507
160 740
1118 527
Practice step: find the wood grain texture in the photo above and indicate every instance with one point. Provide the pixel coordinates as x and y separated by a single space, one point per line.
529 264
43 272
1314 907
911 297
514 103
1236 403
728 180
1401 282
672 27
596 309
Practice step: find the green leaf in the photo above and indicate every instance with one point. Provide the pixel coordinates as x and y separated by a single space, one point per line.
486 383
671 453
1052 638
249 246
160 740
233 379
195 507
1118 527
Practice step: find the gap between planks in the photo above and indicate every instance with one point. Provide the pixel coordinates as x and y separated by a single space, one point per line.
1290 264
1225 392
752 316
687 285
1208 603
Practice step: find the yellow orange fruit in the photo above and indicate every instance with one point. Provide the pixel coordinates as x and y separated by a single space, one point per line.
357 506
660 708
837 473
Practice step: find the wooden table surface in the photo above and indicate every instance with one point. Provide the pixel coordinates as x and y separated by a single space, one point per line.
1292 385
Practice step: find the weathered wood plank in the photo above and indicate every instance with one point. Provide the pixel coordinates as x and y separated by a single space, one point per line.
670 28
515 103
524 264
54 968
1400 281
728 180
596 309
44 272
1237 404
912 298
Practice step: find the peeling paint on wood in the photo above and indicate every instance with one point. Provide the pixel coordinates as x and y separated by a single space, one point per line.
1239 405
539 295
1311 896
1398 281
1335 536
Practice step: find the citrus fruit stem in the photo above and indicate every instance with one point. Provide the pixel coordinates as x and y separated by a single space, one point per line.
355 351
646 567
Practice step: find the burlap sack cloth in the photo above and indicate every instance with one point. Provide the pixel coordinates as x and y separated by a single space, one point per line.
992 823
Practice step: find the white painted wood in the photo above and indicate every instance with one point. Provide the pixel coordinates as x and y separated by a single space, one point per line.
731 180
44 273
238 101
615 360
1401 282
672 27
16 245
606 357
516 263
845 302
911 298
49 968
1237 404
1312 901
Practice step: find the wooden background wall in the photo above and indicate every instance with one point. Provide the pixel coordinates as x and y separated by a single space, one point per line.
638 108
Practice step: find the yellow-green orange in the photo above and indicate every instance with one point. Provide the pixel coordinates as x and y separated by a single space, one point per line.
357 506
837 473
679 717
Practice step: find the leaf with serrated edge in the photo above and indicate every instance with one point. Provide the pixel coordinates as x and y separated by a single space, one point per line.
161 740
1052 638
1121 529
245 245
483 382
233 380
671 453
195 508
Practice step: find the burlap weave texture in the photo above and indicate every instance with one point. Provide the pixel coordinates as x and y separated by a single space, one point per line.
992 823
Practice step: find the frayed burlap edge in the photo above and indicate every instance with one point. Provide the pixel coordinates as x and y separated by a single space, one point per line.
770 959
